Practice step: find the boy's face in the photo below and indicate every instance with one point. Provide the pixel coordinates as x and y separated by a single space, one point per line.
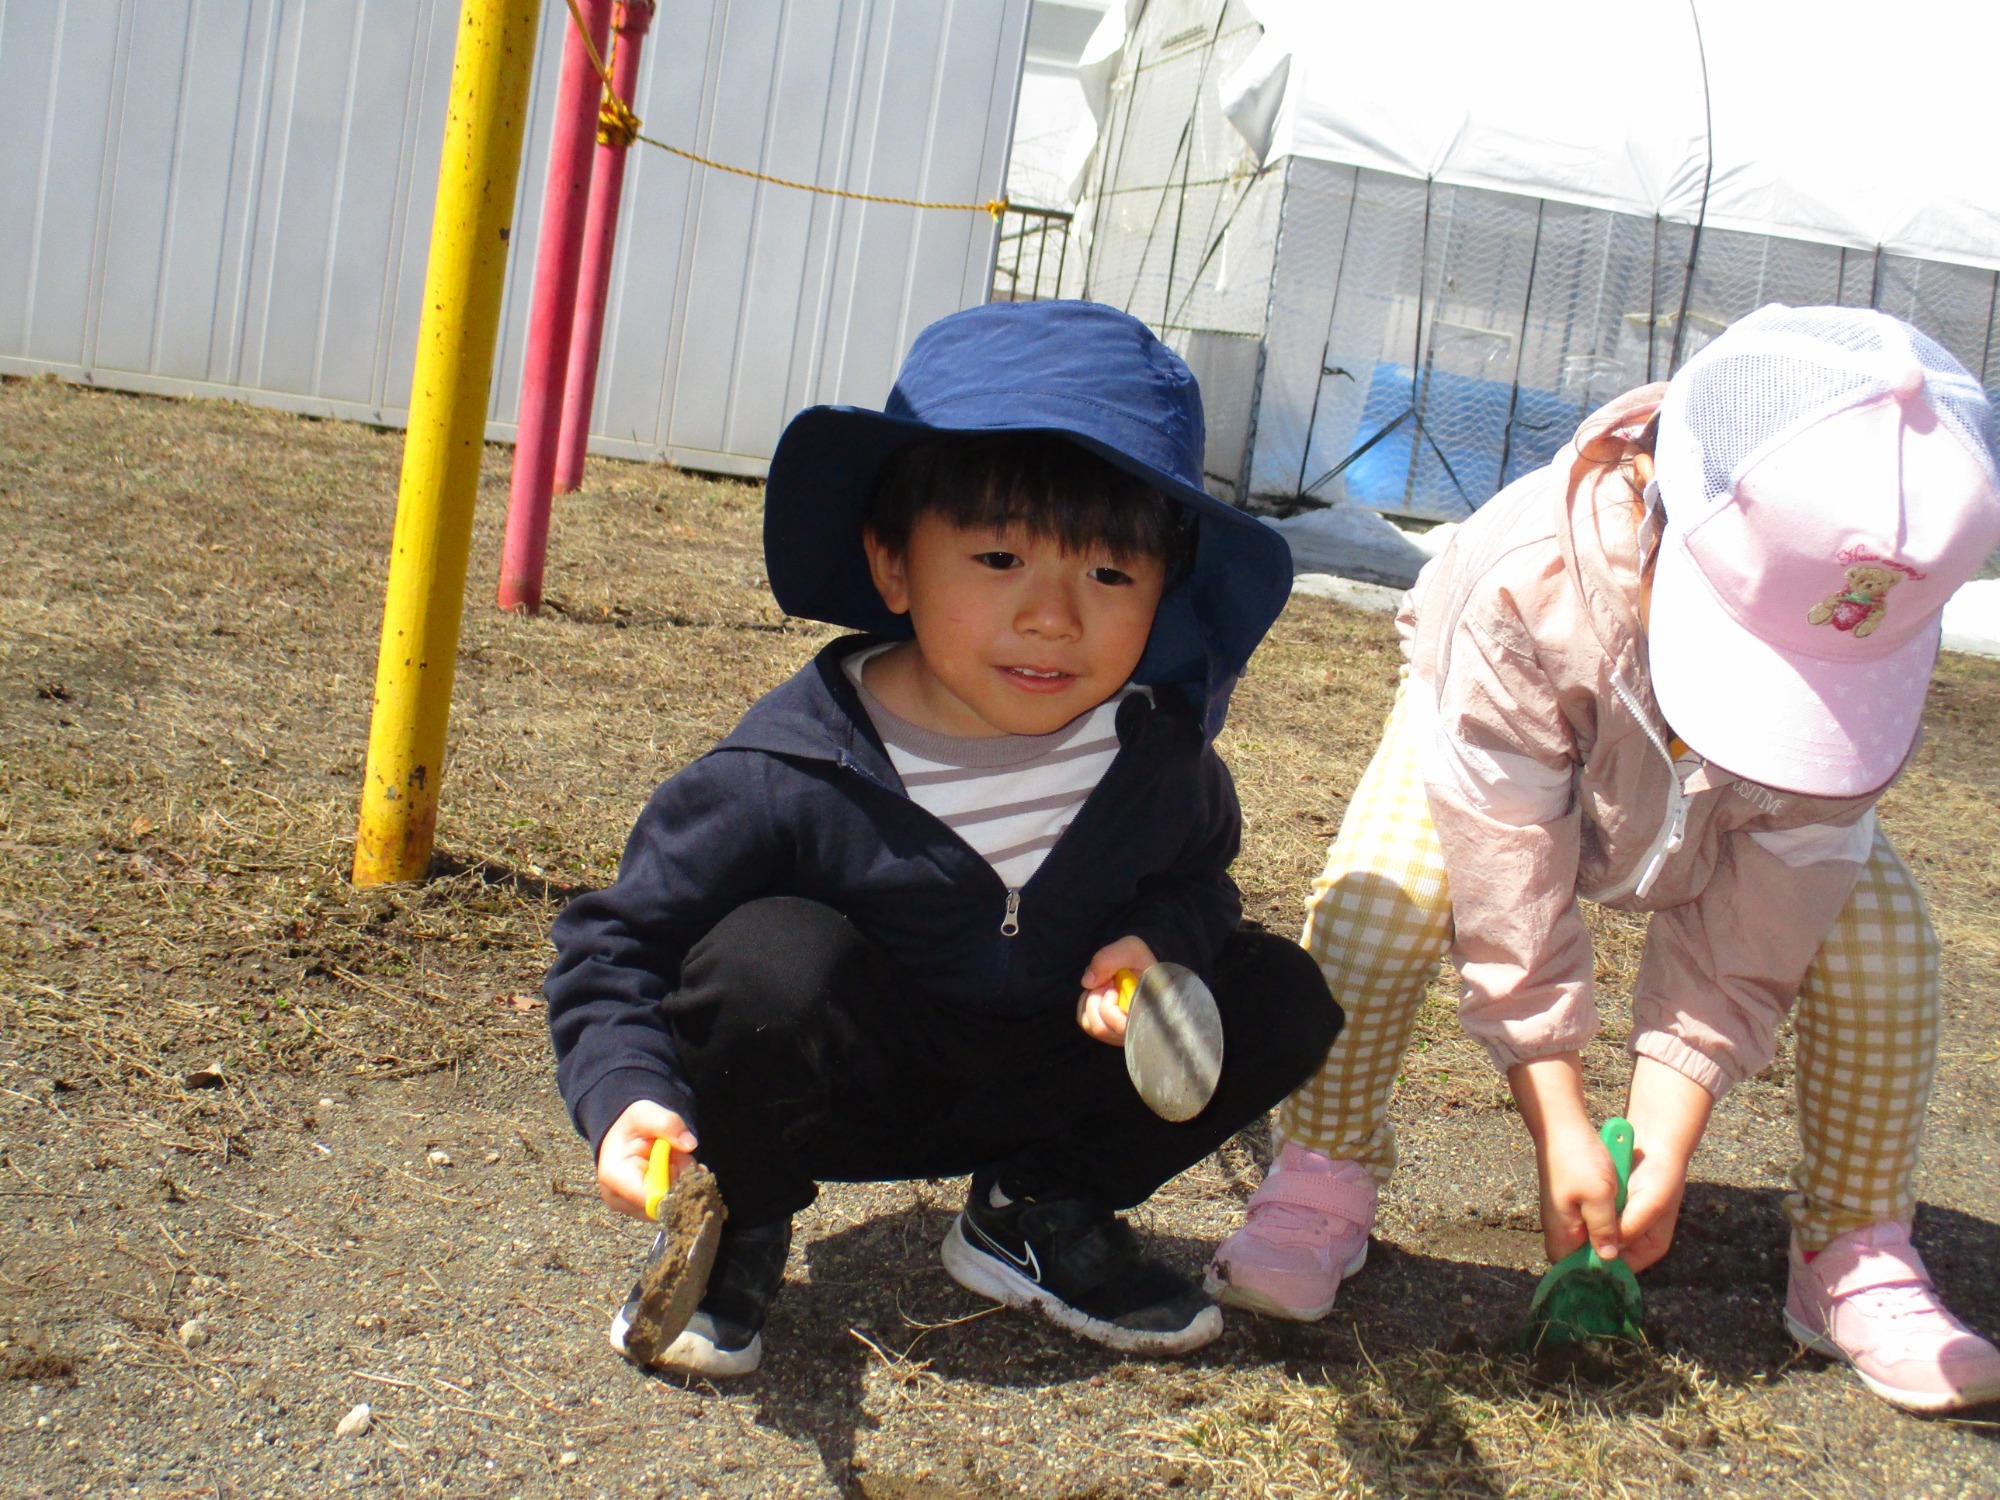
1014 635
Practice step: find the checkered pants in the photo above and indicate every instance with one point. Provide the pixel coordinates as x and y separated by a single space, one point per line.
1867 1016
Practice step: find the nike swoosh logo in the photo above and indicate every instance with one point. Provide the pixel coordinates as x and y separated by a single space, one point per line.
1030 1263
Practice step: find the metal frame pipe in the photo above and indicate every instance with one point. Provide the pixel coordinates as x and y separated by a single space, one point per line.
425 599
600 240
552 311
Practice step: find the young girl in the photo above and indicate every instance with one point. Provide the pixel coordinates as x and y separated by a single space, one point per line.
1671 672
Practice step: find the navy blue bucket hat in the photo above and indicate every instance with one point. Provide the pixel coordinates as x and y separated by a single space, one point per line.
1075 370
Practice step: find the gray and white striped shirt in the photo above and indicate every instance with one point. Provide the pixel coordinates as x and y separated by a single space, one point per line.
1009 796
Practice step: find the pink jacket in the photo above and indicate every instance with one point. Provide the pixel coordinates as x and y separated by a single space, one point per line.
1551 775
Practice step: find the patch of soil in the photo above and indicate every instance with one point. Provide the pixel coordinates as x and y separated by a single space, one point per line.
273 1147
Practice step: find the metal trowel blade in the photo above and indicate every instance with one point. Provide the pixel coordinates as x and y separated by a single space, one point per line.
1173 1042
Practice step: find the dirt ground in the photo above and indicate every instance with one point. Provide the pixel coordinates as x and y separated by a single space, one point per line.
274 1147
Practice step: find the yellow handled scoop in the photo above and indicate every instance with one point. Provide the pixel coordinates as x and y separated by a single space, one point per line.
659 1176
1173 1039
688 1208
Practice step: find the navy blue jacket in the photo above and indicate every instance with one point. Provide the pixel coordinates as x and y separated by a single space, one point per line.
801 800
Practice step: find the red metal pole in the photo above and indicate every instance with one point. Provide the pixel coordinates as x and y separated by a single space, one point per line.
557 255
600 238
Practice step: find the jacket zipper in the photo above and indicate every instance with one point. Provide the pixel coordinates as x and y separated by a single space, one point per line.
1673 830
1010 922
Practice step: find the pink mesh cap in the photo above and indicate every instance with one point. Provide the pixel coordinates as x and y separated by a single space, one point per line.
1828 479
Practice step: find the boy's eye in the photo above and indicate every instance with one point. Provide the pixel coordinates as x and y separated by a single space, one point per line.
997 560
1110 575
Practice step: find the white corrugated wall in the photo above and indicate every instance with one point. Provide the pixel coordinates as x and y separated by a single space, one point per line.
232 197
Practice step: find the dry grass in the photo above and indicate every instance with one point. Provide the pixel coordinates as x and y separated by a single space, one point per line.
189 667
191 597
188 651
1471 1425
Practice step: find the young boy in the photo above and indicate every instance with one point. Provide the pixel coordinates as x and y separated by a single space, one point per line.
873 934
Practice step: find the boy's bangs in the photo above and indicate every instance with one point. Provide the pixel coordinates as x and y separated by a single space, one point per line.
1078 517
1052 488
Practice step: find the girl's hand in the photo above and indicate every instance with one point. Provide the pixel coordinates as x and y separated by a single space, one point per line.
628 1146
1579 1192
1652 1206
1669 1111
1097 1009
1579 1182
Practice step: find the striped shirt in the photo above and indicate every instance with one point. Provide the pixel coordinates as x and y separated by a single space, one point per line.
1009 796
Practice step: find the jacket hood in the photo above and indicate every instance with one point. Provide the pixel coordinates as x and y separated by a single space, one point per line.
816 715
1607 540
1078 371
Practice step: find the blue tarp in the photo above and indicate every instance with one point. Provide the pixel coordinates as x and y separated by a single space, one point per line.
1459 443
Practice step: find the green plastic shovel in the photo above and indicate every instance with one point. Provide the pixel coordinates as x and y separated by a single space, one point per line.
1584 1296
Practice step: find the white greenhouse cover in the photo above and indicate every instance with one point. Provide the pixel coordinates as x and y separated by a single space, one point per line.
1851 125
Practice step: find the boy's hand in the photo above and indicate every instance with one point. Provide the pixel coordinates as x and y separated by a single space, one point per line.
1669 1111
628 1146
1097 1009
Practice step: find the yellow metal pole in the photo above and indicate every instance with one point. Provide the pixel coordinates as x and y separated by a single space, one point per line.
455 338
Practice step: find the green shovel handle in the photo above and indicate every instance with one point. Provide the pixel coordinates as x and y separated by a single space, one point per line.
1617 1138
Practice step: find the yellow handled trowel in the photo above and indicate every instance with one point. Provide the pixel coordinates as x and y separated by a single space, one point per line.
688 1208
1173 1039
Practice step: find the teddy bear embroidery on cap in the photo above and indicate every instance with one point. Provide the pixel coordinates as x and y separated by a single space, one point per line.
1860 605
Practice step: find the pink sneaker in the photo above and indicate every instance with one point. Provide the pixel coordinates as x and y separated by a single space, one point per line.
1867 1299
1305 1233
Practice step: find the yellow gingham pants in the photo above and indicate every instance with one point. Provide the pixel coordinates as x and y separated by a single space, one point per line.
1867 1016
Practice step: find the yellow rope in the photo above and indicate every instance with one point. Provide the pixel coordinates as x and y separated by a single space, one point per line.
994 206
617 125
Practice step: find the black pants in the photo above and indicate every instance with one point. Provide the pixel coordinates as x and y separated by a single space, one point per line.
813 1058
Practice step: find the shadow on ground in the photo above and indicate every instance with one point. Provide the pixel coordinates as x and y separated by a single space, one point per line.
878 1300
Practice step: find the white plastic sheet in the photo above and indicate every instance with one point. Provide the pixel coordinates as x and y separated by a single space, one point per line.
1351 541
1849 126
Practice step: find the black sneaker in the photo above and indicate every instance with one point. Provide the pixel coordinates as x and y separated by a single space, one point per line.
1080 1264
726 1334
